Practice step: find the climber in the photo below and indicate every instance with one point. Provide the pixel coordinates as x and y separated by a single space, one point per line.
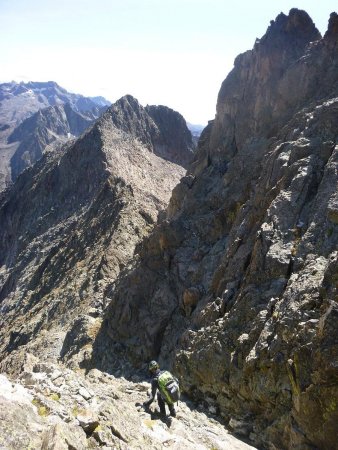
167 386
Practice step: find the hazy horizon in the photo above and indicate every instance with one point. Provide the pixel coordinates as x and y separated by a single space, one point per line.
173 53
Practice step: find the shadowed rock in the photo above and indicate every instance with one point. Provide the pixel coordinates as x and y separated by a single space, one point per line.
252 229
162 130
72 222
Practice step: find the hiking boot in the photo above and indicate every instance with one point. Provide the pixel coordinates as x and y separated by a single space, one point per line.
172 411
169 421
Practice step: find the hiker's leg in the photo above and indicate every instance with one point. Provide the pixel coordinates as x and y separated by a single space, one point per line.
161 403
172 410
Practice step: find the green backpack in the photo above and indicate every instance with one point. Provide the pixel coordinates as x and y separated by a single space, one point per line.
168 386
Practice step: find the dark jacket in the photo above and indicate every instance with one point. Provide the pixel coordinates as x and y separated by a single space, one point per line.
154 386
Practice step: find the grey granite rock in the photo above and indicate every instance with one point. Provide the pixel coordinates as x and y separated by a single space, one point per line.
256 230
68 227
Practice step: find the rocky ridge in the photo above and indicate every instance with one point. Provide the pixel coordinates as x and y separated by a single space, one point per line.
70 224
167 143
237 288
162 130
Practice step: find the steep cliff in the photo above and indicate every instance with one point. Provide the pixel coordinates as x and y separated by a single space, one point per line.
70 224
237 288
161 129
173 137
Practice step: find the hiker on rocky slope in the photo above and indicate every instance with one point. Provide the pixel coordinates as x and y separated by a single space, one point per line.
167 386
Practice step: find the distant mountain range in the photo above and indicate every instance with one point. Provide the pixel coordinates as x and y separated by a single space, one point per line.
35 115
19 100
47 127
196 131
38 116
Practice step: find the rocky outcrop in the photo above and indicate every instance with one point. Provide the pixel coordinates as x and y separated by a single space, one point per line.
52 407
67 228
237 289
174 140
234 287
162 130
55 124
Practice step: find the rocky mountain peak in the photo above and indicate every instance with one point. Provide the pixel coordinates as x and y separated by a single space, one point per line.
52 125
236 288
168 144
42 85
19 102
332 31
297 27
162 130
233 286
263 88
105 190
128 102
21 99
128 115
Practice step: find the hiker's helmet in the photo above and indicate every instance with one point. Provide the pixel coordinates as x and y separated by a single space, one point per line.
153 366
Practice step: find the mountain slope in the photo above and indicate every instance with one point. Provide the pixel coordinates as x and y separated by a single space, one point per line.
161 129
236 289
19 102
169 143
71 223
55 124
53 407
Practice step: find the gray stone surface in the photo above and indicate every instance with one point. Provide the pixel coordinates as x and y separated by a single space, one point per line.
68 227
237 288
48 417
234 287
39 133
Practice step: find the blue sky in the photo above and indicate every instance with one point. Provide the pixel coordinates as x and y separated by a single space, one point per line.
175 53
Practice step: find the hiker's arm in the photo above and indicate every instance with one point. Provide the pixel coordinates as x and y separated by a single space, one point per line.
153 393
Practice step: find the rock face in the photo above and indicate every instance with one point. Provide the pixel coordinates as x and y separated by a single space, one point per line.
21 144
173 141
51 407
159 128
69 225
234 287
237 287
55 124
